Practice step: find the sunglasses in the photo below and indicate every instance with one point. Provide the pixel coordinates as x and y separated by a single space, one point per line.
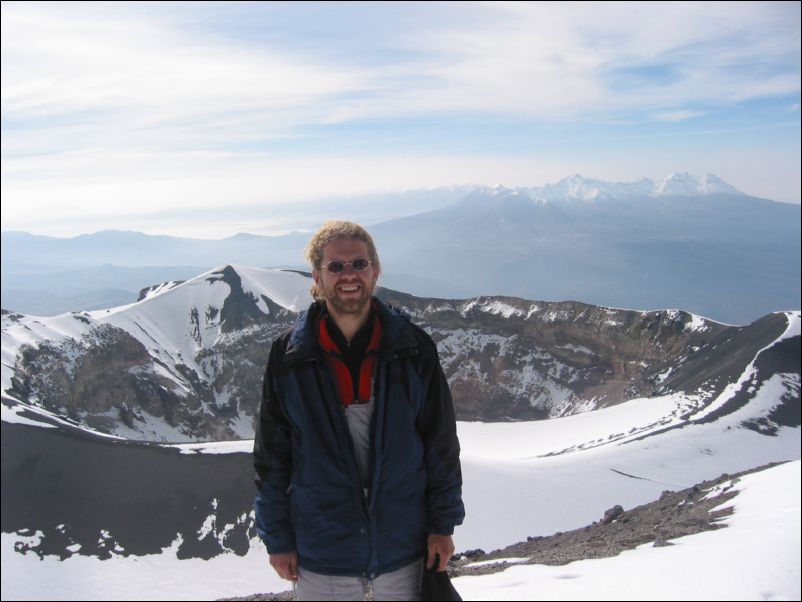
359 265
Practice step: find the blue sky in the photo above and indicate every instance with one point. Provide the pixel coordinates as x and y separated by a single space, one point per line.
115 113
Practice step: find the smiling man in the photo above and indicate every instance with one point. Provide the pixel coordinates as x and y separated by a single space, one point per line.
356 451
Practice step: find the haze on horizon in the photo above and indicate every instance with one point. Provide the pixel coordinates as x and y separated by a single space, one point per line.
208 119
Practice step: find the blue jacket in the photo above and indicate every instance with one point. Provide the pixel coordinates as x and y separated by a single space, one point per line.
311 497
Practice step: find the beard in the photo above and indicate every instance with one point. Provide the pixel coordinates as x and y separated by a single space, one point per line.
351 306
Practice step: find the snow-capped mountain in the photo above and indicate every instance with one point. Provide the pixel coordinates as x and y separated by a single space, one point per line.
726 256
686 241
186 363
580 188
684 184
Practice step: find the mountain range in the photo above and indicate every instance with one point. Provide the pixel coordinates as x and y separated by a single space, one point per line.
687 242
186 362
608 245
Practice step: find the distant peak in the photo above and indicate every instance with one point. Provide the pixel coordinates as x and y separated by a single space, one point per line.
685 184
501 189
577 187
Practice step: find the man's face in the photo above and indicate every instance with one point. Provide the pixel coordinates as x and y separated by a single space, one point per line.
349 291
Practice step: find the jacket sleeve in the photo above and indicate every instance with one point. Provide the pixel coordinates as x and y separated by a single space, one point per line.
272 459
438 429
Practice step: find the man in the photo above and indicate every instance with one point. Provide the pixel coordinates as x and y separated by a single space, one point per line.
356 451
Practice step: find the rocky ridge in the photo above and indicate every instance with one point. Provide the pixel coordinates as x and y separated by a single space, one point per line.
187 363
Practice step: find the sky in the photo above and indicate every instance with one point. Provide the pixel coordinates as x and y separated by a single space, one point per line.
154 116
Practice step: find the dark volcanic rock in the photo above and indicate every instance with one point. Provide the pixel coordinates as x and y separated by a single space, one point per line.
115 497
612 514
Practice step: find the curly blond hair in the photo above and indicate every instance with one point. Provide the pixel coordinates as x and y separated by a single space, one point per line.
335 230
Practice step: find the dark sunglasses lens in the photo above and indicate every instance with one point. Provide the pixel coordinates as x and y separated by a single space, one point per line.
360 265
335 267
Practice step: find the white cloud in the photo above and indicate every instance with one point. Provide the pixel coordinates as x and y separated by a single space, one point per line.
532 59
569 59
127 74
678 115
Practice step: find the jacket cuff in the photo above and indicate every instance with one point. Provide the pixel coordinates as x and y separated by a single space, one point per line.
441 529
279 540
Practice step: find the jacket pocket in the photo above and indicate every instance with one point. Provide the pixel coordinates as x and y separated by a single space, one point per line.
323 519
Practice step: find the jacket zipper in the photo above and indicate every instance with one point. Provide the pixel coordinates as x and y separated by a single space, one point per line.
381 365
343 427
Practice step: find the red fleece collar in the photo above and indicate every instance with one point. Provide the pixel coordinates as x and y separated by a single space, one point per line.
342 374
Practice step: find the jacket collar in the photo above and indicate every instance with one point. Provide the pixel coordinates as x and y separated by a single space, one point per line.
303 344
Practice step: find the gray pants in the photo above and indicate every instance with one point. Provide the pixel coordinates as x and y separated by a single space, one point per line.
402 584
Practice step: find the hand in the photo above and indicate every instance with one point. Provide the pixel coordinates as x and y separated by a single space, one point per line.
286 565
441 545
